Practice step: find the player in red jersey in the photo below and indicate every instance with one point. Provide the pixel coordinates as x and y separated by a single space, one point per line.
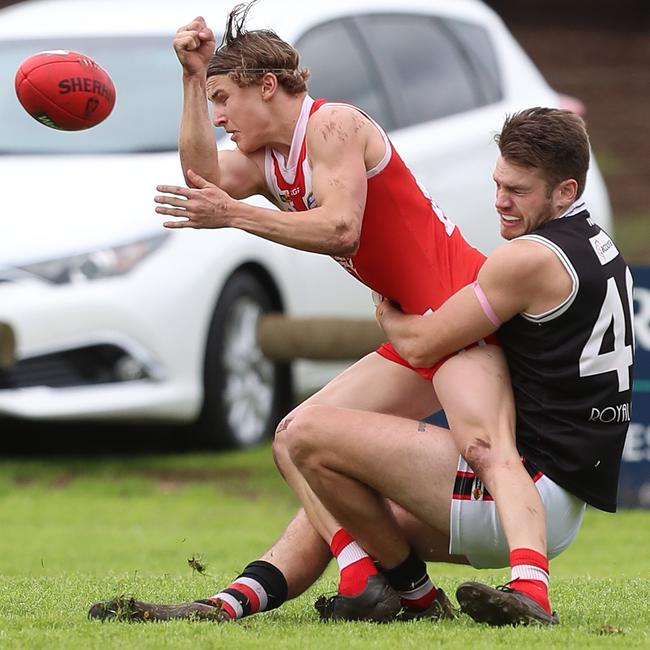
368 212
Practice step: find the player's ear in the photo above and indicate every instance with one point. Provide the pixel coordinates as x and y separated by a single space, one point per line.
566 192
269 86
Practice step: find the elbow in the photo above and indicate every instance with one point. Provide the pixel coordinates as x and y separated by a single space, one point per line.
348 244
348 238
348 247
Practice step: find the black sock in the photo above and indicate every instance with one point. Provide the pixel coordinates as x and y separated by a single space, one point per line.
259 588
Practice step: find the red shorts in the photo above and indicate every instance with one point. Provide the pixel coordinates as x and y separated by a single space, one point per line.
387 351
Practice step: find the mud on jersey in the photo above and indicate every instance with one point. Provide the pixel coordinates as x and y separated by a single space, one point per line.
572 366
409 251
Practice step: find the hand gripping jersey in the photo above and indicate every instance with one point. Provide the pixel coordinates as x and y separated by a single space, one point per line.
409 251
572 366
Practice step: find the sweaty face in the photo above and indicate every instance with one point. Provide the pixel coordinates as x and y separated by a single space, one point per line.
523 199
240 111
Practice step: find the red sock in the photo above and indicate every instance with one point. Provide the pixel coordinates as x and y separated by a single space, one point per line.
421 596
355 564
242 597
411 581
529 572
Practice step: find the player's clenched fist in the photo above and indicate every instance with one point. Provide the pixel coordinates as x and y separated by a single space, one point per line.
194 45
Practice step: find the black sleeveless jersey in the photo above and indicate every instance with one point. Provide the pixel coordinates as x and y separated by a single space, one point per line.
572 366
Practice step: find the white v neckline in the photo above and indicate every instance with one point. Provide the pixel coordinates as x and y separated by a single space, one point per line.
290 163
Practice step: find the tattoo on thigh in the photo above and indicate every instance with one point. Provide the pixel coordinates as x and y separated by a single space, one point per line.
422 426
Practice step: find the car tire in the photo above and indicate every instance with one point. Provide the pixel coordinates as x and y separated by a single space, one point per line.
245 394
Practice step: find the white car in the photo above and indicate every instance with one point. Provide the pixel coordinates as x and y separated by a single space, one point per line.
116 318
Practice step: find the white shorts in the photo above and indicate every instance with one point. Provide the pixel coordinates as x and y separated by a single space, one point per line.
476 531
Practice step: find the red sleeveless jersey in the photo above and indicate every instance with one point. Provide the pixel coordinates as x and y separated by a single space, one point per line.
409 251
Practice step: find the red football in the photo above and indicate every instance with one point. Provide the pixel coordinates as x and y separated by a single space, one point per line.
65 90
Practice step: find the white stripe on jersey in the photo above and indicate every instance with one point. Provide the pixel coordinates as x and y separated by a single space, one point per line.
568 301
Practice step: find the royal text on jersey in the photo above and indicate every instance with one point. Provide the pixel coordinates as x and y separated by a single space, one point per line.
618 413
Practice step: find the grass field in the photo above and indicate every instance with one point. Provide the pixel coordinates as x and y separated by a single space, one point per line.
79 530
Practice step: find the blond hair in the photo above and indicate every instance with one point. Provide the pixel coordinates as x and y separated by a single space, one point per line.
247 56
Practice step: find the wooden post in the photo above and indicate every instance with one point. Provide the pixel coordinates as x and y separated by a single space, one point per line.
284 338
7 346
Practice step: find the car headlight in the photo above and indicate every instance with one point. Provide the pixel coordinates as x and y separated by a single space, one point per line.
94 265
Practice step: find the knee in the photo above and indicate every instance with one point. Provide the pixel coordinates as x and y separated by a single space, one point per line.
280 444
296 438
479 455
489 459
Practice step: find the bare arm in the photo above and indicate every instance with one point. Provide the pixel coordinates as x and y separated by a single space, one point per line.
336 142
518 277
234 172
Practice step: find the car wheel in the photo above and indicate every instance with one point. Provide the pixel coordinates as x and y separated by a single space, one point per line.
245 393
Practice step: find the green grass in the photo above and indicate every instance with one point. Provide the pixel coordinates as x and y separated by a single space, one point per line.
76 531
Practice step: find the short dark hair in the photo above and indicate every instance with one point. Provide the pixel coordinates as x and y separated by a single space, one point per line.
246 56
551 139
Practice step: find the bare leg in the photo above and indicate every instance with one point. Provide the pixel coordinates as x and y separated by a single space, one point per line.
373 383
430 544
474 388
350 458
300 553
380 386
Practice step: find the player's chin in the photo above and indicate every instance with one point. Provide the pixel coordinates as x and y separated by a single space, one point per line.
241 145
511 229
248 146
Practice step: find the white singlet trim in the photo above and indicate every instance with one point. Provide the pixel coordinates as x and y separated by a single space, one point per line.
568 301
381 165
289 165
574 208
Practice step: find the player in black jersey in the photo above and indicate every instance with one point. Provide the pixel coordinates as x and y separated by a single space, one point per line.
559 293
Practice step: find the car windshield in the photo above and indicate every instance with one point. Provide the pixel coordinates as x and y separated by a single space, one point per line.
147 112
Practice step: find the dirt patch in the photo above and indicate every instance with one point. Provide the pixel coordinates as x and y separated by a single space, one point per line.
62 481
230 481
